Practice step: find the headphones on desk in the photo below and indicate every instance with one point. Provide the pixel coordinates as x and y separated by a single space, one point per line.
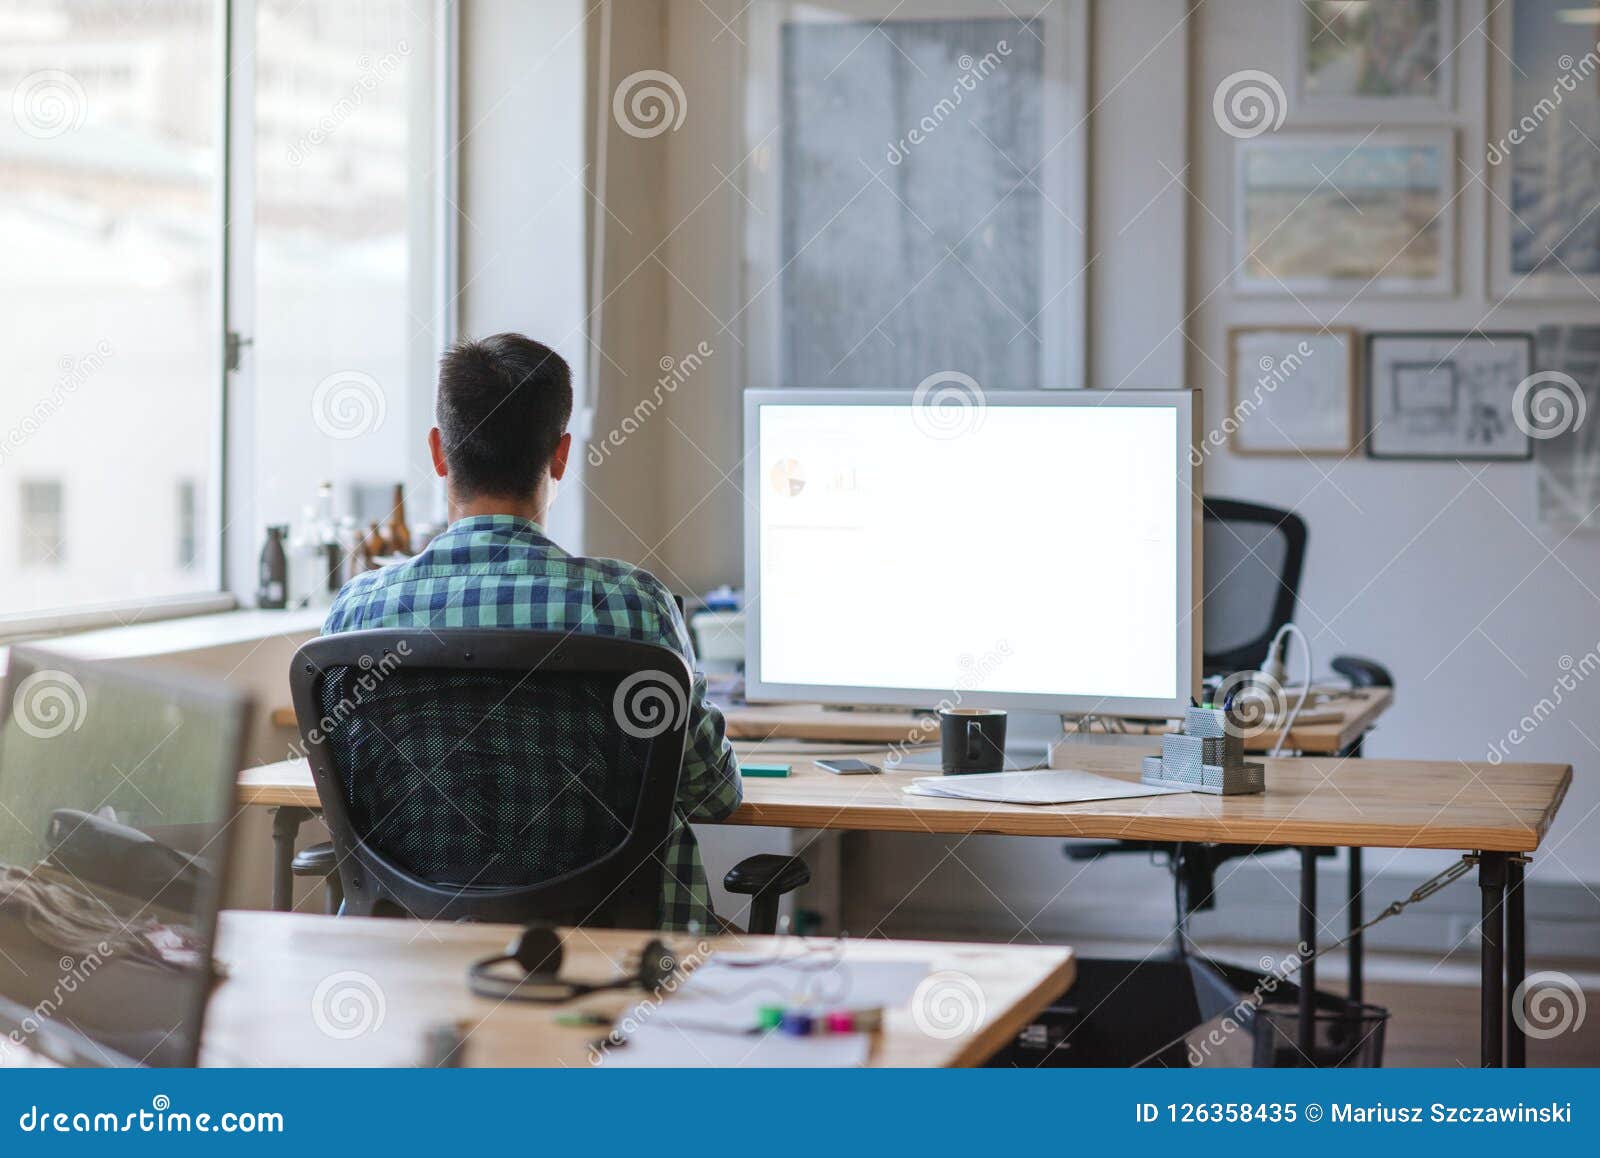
537 951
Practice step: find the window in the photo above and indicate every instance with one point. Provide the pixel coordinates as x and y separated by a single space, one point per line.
345 323
115 237
923 176
43 542
109 374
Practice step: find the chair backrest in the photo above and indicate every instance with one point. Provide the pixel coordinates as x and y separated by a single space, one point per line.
1253 558
495 774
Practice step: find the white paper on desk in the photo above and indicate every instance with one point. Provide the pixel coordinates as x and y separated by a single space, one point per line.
1048 786
723 995
662 1046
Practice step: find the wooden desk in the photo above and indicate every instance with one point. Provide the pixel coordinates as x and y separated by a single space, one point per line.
267 1011
1496 811
1359 711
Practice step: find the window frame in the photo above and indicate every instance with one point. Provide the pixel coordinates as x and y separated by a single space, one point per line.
226 528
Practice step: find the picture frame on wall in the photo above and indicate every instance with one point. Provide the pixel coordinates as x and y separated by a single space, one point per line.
1447 396
1292 390
1542 165
1563 407
1344 213
1387 62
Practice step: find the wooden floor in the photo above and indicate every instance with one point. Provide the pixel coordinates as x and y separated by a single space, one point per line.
1437 1025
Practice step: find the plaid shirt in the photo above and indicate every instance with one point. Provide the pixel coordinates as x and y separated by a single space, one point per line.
501 571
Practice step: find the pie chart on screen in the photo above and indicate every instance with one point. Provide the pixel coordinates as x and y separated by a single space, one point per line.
788 477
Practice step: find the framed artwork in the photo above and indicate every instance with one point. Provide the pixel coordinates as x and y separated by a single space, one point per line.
1543 163
1564 409
1337 214
1292 390
881 132
1373 62
1447 395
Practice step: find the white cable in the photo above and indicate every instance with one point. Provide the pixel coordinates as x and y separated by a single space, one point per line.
1305 688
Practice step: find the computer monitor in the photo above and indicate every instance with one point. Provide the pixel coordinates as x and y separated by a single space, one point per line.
116 810
1028 550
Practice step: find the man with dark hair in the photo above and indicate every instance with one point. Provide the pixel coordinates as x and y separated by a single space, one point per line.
501 446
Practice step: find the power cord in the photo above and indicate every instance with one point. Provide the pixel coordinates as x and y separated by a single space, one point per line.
1277 671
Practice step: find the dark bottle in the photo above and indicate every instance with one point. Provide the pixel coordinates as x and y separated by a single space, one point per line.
273 593
397 533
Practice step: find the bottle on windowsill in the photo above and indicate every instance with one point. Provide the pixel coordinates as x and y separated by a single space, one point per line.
397 533
273 592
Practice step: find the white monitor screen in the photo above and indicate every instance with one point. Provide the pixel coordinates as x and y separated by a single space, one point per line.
1033 552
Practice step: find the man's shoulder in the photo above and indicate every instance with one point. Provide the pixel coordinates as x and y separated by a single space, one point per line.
617 573
357 593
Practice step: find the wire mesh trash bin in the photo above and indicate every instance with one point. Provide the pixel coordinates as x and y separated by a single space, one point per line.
1346 1036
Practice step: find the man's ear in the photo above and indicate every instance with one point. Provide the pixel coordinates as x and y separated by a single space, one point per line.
558 461
436 448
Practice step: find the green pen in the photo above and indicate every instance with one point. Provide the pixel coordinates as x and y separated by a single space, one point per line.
775 771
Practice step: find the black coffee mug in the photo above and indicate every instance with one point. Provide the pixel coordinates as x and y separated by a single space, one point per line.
972 739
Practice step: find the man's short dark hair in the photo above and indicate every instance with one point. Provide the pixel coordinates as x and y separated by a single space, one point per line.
504 403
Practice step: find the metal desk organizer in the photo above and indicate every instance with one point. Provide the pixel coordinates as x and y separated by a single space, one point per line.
1207 756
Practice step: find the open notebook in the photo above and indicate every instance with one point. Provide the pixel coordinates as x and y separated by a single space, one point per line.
1051 786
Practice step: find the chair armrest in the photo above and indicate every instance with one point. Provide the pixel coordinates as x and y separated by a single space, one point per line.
767 874
1362 673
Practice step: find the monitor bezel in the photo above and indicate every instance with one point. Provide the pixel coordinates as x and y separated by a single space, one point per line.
1188 466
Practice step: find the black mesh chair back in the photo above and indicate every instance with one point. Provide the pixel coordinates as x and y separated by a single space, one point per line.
495 774
1253 559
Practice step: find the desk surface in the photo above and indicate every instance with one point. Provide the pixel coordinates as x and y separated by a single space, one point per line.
1324 801
1359 710
287 971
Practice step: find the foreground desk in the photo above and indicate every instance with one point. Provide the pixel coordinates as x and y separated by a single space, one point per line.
1499 813
309 990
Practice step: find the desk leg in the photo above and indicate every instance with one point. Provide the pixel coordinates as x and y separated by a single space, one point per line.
1355 948
1492 883
1516 962
1307 1030
286 822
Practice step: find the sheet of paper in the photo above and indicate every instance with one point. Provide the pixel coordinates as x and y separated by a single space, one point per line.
1051 786
664 1046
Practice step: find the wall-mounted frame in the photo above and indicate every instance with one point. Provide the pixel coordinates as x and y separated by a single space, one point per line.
1337 214
1541 156
1292 390
1447 395
866 173
1372 63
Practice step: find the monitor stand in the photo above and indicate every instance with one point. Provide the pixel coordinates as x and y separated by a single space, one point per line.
1028 739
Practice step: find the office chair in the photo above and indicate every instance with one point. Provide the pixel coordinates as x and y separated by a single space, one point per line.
1254 556
502 775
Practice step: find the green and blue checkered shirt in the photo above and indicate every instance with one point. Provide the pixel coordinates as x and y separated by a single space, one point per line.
501 571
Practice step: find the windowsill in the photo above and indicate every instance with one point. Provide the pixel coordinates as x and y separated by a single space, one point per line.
188 633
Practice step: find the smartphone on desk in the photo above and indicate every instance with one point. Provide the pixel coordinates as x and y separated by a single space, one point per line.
847 767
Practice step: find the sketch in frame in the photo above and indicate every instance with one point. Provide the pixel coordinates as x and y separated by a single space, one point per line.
1338 214
1357 61
1560 409
1291 390
1544 155
1447 395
